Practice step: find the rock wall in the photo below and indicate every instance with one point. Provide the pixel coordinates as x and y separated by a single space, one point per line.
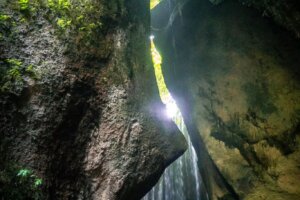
79 102
285 13
235 75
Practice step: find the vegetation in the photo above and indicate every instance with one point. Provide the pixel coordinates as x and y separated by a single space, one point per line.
24 5
82 17
13 74
76 22
5 21
19 183
76 17
73 15
3 18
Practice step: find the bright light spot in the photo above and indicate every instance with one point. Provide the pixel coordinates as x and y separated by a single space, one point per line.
151 37
171 109
154 3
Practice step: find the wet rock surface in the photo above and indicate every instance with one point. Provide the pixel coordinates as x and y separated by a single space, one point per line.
91 125
235 75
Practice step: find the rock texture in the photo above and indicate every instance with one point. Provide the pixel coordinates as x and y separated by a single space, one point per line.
235 75
90 122
285 13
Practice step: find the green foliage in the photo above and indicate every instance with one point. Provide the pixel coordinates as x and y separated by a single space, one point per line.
63 23
4 17
5 22
31 72
13 74
38 182
24 173
4 25
24 5
59 5
19 183
28 7
14 62
80 18
79 22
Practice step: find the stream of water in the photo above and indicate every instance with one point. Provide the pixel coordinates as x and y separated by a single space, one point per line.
181 180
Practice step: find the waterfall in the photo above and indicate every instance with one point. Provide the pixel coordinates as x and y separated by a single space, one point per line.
181 180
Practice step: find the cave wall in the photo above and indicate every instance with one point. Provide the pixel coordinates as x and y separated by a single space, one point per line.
79 102
285 13
235 75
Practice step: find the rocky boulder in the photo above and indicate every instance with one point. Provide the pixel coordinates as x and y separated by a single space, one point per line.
79 103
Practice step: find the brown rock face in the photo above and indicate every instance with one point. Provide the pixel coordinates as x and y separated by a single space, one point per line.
235 75
89 123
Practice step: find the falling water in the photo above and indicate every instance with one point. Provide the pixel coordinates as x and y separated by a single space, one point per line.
181 180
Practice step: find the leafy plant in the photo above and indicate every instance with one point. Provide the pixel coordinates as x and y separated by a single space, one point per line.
59 5
6 23
24 5
38 182
80 18
63 23
27 8
14 62
4 17
19 183
23 172
13 73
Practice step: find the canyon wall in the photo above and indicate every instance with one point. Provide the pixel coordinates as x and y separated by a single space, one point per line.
235 75
80 107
